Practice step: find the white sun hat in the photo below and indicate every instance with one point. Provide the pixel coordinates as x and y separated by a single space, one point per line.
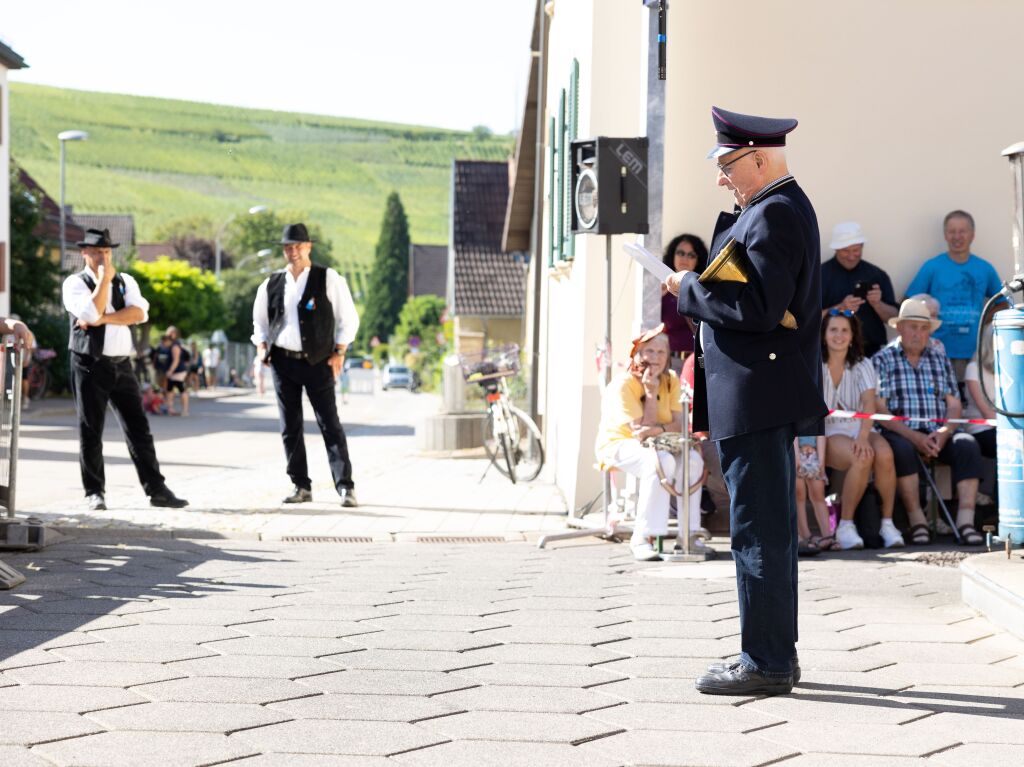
846 234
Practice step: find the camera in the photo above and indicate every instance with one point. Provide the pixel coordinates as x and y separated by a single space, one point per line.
860 289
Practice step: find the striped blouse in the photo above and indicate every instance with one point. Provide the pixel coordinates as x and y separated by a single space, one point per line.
846 396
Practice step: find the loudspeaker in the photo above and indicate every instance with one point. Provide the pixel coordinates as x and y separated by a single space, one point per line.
609 185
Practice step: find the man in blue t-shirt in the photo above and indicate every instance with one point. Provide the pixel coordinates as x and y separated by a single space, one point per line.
962 283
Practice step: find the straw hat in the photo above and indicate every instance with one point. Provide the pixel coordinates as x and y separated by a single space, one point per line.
914 309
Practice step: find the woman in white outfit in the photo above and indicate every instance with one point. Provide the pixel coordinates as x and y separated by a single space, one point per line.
641 402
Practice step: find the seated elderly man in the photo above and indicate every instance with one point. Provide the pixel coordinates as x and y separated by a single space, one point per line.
641 402
916 380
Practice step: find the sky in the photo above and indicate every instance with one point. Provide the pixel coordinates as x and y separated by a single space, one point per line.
442 63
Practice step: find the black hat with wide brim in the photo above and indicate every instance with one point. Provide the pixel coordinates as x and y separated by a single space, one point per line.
97 238
294 233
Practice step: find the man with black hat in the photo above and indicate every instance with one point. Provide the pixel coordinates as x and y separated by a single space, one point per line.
757 384
103 303
303 321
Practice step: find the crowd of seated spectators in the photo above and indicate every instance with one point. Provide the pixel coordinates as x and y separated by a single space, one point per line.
928 372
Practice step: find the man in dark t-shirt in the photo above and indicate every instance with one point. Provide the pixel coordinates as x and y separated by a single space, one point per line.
849 283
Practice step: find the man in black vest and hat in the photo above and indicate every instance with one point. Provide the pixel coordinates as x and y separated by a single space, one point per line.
303 321
757 385
103 303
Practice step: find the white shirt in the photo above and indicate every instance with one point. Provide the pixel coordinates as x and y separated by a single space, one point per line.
117 339
346 320
972 410
846 396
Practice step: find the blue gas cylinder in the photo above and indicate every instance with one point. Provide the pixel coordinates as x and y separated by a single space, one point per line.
1008 345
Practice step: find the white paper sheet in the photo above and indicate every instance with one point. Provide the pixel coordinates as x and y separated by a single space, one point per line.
647 260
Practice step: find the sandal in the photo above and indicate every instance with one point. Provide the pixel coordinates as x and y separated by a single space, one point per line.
920 535
806 548
969 536
825 542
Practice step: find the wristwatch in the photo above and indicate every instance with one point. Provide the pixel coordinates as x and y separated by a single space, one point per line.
339 351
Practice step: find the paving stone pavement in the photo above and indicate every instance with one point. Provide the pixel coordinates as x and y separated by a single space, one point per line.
267 654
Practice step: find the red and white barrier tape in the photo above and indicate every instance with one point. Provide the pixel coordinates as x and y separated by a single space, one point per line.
884 417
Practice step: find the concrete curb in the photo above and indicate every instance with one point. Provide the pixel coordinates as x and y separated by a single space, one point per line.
994 586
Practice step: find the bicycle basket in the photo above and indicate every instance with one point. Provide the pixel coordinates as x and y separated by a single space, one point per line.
489 364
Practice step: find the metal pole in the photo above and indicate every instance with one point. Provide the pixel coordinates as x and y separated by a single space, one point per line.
62 237
607 486
538 218
18 355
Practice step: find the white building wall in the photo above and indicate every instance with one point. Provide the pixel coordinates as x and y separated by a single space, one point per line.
904 108
5 199
604 36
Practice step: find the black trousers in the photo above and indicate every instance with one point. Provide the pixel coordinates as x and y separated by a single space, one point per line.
759 472
291 376
94 383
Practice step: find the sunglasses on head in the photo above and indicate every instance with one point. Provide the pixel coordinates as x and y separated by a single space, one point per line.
840 312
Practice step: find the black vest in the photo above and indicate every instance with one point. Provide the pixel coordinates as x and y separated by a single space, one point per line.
316 315
90 340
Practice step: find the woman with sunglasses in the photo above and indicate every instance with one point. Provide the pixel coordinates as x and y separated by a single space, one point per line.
685 252
849 383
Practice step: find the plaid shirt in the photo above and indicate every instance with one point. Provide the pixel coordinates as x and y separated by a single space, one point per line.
918 393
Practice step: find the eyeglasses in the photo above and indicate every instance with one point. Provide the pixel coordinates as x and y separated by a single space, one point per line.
833 312
722 168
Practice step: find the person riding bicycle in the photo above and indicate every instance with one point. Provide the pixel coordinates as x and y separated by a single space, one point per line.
639 403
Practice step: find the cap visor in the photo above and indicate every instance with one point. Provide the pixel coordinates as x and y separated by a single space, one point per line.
718 151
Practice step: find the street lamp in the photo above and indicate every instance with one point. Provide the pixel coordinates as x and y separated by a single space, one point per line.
258 254
64 136
220 233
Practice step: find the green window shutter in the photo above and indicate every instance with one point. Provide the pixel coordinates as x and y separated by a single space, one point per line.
571 123
563 183
553 193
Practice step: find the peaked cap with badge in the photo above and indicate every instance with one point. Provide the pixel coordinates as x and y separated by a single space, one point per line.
736 131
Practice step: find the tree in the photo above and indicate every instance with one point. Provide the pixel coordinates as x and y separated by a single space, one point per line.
389 280
180 294
35 279
239 293
194 239
251 234
419 338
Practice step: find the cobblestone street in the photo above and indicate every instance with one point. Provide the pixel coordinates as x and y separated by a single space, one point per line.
176 652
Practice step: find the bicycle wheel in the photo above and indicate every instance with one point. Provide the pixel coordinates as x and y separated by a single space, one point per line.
527 446
509 455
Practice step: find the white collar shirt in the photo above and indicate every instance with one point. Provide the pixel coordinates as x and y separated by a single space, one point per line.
77 296
346 319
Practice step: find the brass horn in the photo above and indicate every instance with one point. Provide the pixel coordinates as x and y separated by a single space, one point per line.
726 267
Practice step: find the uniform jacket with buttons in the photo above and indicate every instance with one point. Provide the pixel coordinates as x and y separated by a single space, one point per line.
756 373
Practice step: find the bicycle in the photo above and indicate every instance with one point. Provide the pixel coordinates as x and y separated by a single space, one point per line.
38 376
509 432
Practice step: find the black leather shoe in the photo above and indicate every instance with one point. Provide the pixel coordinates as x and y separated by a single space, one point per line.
348 499
96 502
739 680
718 668
165 498
299 495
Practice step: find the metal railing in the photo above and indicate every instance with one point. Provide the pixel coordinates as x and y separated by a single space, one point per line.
11 364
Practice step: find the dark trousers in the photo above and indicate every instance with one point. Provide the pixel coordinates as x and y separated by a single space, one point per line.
94 383
759 472
961 454
291 376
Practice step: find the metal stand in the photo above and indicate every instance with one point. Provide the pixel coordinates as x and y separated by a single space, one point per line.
684 551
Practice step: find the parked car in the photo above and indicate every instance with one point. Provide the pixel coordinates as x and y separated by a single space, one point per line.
397 377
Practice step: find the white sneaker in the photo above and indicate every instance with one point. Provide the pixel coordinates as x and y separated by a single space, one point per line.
644 551
847 536
891 537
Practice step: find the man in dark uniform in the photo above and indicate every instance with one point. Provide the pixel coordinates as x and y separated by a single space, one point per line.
757 385
103 304
303 321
